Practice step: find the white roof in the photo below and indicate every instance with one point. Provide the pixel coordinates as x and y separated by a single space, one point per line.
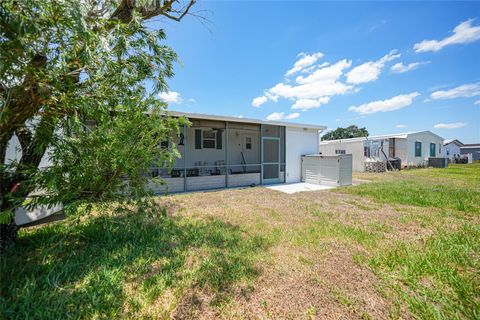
385 136
246 120
457 142
471 146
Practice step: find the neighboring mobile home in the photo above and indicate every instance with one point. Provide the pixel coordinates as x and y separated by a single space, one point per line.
471 149
452 148
413 148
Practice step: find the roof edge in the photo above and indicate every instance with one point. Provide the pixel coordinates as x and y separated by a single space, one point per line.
245 120
384 136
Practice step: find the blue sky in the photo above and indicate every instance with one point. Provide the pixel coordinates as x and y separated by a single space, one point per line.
391 67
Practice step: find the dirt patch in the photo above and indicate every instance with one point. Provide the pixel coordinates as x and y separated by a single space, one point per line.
318 281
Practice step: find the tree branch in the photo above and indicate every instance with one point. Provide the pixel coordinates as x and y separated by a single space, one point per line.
24 136
26 99
125 10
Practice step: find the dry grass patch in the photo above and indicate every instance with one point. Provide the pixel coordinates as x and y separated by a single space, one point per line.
360 252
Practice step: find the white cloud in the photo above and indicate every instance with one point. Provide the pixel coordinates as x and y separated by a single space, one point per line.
192 101
400 126
311 89
452 125
170 97
292 116
258 101
316 84
395 103
307 104
305 61
477 102
369 71
463 33
276 116
463 91
321 83
401 68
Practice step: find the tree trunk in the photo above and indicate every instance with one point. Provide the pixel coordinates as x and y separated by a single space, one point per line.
8 235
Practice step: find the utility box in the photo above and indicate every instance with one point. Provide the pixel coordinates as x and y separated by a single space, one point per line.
438 162
327 170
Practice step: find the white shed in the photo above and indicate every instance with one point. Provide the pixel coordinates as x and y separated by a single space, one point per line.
327 170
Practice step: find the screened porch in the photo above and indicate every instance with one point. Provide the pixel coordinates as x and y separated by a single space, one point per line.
223 154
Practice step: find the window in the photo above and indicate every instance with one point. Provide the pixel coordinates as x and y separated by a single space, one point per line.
208 139
366 152
248 143
339 151
440 148
433 150
418 149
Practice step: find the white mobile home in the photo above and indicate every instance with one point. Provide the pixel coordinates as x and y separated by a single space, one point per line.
472 151
220 152
413 148
452 148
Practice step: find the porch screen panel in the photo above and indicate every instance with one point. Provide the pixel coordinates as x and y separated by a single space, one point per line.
173 177
271 151
243 153
270 171
270 131
206 162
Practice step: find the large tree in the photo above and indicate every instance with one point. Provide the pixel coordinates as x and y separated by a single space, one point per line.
77 78
346 133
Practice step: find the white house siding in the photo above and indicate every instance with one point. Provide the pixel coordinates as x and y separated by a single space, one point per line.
355 148
171 185
244 179
425 138
298 142
453 149
401 149
14 153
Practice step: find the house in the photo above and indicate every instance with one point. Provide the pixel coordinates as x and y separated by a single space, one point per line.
412 148
471 149
220 152
452 148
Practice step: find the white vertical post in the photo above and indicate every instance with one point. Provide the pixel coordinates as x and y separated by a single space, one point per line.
226 154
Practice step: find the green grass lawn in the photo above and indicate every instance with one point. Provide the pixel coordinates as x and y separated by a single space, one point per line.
405 245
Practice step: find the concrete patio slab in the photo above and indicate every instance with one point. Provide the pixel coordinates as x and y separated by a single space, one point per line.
298 187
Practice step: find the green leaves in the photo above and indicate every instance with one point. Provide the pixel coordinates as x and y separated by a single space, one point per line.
98 81
346 133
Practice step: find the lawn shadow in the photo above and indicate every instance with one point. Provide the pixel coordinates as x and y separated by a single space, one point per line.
83 270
